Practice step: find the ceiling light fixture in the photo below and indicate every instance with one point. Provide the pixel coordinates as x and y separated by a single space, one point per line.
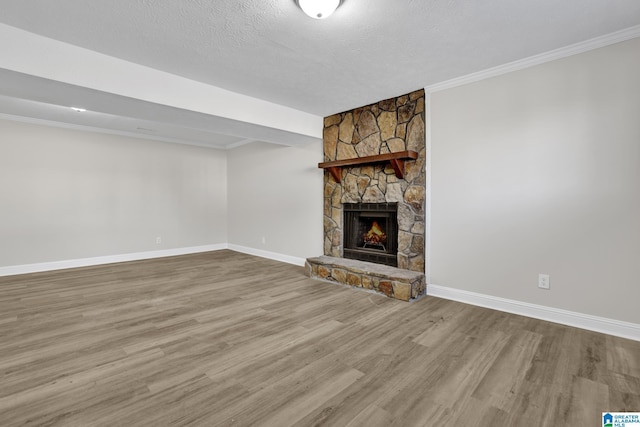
79 110
318 9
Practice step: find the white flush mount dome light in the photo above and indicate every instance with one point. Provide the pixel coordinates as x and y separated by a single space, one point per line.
319 9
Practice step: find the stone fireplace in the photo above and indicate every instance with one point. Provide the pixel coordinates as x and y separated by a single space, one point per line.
374 162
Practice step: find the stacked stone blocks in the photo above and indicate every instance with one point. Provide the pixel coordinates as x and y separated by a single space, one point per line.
389 126
395 283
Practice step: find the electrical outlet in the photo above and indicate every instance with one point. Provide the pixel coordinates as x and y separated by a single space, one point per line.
543 281
158 240
264 240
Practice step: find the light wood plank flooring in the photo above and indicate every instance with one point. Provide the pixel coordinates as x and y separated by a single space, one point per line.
227 339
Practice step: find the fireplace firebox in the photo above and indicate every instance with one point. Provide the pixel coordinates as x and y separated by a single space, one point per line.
371 232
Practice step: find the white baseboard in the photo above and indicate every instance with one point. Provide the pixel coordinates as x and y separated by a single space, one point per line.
110 259
570 318
269 255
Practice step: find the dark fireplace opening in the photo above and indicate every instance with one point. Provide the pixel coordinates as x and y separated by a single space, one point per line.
371 232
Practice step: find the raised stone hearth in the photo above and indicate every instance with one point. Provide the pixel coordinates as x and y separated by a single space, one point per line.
393 282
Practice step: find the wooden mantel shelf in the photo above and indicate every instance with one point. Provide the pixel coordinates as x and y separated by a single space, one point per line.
395 159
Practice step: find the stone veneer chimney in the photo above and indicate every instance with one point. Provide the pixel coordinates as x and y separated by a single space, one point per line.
389 126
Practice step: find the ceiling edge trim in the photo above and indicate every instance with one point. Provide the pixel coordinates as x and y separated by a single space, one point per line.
239 144
35 55
563 52
70 126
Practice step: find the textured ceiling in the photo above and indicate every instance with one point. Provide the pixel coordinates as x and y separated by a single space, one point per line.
367 51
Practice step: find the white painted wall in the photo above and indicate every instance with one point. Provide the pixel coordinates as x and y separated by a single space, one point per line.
67 194
538 171
276 192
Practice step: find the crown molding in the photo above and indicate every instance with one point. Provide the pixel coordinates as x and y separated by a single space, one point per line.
563 52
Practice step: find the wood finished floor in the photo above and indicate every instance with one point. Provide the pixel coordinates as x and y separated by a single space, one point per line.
227 339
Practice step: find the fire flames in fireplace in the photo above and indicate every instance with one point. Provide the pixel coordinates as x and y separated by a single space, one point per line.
375 235
371 232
